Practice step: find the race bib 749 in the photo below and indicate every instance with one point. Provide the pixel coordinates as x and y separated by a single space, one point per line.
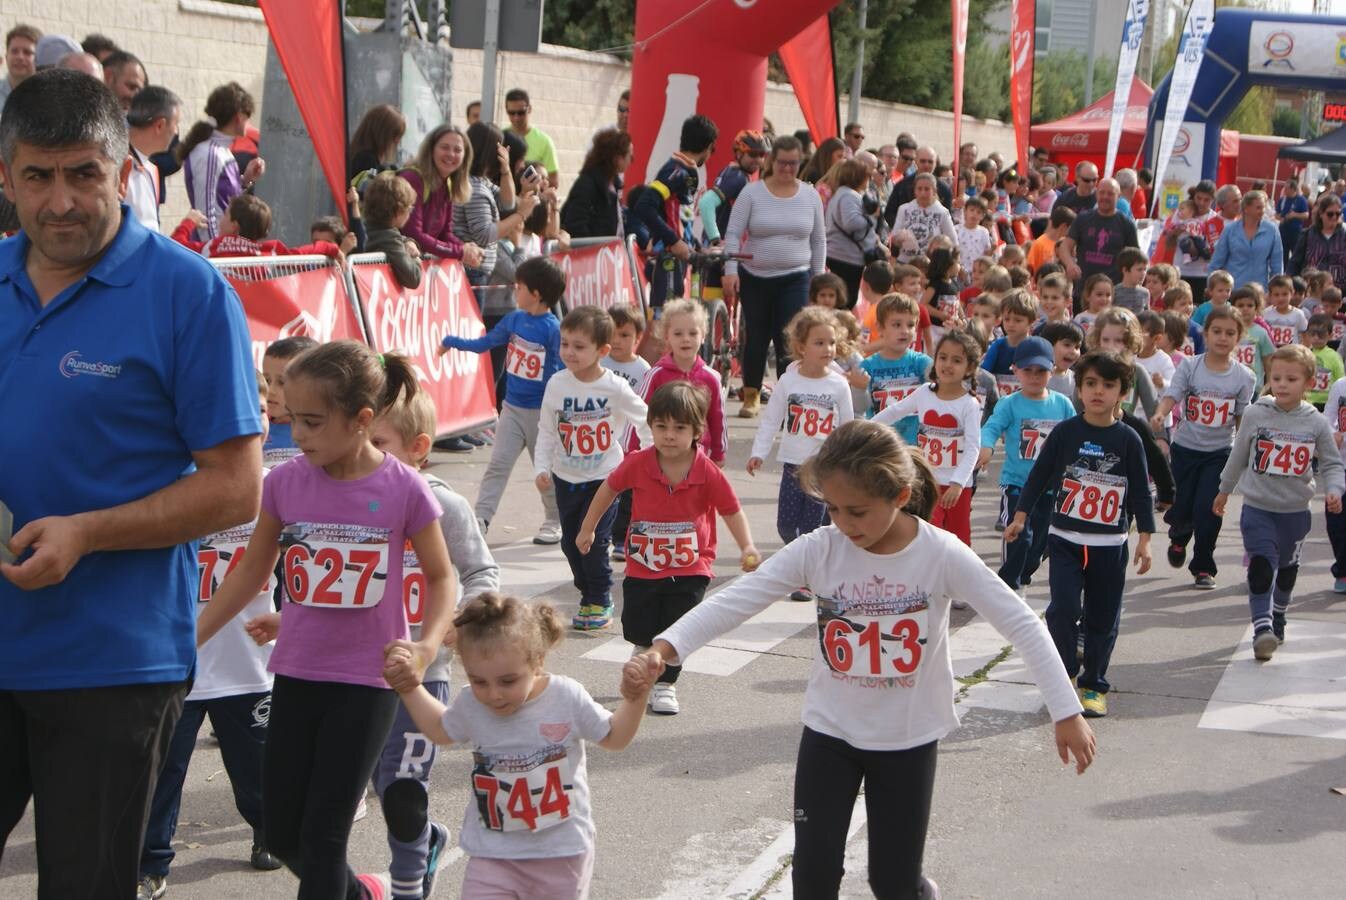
1282 453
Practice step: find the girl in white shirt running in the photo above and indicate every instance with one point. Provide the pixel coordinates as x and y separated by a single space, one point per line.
880 694
949 429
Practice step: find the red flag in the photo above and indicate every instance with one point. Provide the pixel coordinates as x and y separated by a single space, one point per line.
808 62
1023 29
958 12
308 41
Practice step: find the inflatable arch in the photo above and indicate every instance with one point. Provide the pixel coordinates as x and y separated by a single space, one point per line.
693 56
1246 48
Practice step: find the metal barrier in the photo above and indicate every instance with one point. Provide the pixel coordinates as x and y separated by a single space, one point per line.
637 293
255 280
262 268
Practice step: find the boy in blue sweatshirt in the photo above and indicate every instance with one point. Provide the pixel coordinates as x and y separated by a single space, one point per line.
1097 467
1025 419
896 370
532 358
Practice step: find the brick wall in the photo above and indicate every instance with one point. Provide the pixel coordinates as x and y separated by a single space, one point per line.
192 46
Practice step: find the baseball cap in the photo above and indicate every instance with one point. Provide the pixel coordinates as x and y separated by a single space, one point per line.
1034 351
52 48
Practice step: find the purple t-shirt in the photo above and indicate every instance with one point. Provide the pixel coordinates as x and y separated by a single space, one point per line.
341 554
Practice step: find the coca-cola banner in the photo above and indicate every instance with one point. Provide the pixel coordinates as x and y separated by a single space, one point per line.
312 304
415 322
598 276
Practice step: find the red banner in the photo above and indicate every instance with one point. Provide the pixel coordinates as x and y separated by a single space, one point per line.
958 12
308 41
808 62
415 322
598 276
1023 31
312 304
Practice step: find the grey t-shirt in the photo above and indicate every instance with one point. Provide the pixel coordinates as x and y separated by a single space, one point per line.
1136 299
1209 403
528 772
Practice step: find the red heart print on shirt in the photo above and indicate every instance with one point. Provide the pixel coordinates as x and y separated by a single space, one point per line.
554 731
939 420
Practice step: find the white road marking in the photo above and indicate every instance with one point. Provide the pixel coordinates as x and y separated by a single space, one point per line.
1299 691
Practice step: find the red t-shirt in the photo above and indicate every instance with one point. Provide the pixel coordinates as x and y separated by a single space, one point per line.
672 530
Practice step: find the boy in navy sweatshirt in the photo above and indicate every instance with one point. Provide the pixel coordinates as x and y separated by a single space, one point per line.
1097 467
534 356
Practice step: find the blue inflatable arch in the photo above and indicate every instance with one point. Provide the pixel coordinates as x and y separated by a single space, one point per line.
1246 48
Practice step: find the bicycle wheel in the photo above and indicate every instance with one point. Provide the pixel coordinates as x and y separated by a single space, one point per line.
717 352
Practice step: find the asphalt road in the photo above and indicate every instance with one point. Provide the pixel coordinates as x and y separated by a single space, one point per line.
1213 778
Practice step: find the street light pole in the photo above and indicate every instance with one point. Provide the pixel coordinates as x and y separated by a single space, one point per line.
857 79
1089 54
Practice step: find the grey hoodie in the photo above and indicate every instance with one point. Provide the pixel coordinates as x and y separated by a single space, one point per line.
1272 460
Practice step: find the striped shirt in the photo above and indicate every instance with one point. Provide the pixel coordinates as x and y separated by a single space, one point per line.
478 220
784 234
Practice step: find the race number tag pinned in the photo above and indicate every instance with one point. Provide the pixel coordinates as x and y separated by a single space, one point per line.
6 532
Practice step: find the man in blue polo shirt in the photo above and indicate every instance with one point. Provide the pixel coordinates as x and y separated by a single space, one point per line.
129 400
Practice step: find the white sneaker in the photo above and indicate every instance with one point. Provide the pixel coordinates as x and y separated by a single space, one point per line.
361 811
664 700
958 604
548 535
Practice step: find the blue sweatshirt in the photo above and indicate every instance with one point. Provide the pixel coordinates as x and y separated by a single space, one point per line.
999 356
534 354
892 379
1025 425
1101 482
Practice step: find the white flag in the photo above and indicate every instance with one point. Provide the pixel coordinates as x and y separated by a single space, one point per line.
1191 50
1133 30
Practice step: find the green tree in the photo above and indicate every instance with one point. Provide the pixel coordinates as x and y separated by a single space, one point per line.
1058 83
588 24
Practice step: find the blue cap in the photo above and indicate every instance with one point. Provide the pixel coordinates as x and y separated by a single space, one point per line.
1034 351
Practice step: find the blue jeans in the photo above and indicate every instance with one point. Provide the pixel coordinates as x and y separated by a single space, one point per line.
240 724
1087 583
592 571
1196 474
1020 559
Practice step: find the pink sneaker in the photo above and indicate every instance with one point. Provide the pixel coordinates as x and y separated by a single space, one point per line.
377 887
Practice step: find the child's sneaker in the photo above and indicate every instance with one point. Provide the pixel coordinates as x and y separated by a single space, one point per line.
377 887
618 553
1177 555
1278 627
1095 704
929 890
600 617
361 809
1204 581
664 700
548 535
580 621
1264 645
439 840
152 887
803 595
1339 586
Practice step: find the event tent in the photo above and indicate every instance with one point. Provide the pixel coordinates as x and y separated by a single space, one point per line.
1328 148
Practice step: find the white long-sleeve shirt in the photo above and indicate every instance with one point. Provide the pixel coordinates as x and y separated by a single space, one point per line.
583 426
809 408
881 677
949 431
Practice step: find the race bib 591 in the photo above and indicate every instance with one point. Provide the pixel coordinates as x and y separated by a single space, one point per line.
335 566
1211 411
531 799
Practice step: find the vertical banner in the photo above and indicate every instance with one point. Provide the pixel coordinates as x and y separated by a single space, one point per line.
1023 45
1191 49
814 81
958 13
1133 31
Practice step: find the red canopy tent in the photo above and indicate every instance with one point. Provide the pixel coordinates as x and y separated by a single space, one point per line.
1083 136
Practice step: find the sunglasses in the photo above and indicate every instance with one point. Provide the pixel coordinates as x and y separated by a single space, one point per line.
907 158
1331 214
786 164
515 113
1087 180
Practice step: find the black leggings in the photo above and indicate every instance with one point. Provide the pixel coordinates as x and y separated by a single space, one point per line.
898 785
323 741
768 306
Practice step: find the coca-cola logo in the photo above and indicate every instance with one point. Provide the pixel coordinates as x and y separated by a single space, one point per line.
597 276
1078 139
416 321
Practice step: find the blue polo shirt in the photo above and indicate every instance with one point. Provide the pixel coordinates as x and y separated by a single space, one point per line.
105 393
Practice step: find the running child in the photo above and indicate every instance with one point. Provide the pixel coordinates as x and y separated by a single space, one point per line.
1330 305
1286 323
628 325
1025 419
896 370
985 309
1272 464
1219 290
233 687
940 297
676 492
1329 367
811 400
974 242
533 337
1158 279
848 361
1154 356
949 428
342 513
1096 295
530 831
1210 392
683 330
1097 466
1178 301
980 266
1053 299
1066 340
402 779
586 411
826 289
875 714
1018 312
1255 347
279 445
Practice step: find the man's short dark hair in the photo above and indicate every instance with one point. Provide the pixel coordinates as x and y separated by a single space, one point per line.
879 276
543 275
96 43
290 347
517 95
252 216
1062 216
1130 257
852 126
120 60
153 102
698 133
905 142
23 31
332 224
1106 365
60 108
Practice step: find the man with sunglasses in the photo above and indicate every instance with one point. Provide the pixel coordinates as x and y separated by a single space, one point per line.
1082 195
905 190
541 148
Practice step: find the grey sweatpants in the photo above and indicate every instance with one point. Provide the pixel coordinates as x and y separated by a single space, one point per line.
515 431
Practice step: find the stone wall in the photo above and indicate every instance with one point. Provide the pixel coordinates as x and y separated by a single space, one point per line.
193 45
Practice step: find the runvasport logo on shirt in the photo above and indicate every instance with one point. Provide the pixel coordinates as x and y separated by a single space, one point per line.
73 364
